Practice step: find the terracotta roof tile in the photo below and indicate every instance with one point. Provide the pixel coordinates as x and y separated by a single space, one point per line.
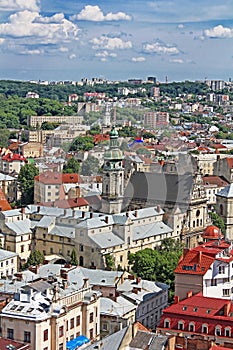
50 177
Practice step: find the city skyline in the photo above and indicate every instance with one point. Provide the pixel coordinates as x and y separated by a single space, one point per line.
183 40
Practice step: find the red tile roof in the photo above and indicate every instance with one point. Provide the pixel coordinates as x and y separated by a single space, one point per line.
230 162
5 344
10 157
50 177
194 263
219 181
67 203
4 205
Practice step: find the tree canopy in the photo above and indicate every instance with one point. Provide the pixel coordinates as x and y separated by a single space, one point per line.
158 265
72 166
82 143
90 166
34 259
218 221
26 183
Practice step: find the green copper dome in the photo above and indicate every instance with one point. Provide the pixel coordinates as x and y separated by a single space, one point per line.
113 133
113 154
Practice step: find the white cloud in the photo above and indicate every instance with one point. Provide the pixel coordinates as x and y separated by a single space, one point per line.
72 56
178 60
160 48
104 42
95 14
2 41
27 24
19 5
181 26
31 52
63 49
138 59
105 54
219 32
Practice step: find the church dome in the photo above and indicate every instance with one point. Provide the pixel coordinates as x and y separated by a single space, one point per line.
113 133
212 232
113 154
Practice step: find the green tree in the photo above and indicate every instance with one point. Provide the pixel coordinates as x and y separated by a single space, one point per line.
82 143
73 258
109 261
4 137
90 166
49 125
218 221
143 151
26 183
34 259
158 265
72 166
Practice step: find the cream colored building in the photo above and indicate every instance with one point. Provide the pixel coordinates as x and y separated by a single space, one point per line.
49 315
8 263
37 121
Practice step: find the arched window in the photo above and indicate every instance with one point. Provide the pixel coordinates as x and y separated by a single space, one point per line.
197 222
218 330
181 325
167 323
227 332
191 327
205 328
221 209
81 261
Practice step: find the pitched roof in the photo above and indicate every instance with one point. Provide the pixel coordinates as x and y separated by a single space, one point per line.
194 263
50 177
219 181
4 205
67 203
230 162
226 192
10 157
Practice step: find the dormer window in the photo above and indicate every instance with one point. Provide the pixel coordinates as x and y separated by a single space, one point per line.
181 325
218 331
167 323
205 328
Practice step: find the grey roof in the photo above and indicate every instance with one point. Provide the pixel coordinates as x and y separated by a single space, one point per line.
134 158
96 277
149 230
6 254
226 192
116 308
5 177
142 340
112 342
134 215
49 269
46 221
64 231
20 227
106 239
159 188
95 222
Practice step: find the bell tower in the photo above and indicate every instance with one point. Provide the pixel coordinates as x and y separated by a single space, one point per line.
113 176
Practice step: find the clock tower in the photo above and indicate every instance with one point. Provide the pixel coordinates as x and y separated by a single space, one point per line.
113 176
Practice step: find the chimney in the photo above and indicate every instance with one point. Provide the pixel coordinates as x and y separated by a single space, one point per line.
91 215
138 280
127 214
176 299
23 210
106 219
135 290
158 208
189 294
64 274
64 284
227 308
185 252
83 214
136 213
199 257
38 209
19 276
85 282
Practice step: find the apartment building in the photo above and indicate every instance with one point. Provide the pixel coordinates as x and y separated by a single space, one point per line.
37 121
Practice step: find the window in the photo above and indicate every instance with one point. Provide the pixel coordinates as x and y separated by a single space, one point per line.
61 331
167 323
191 327
72 323
104 326
204 328
27 337
81 247
213 282
221 269
181 325
78 321
51 250
91 317
218 330
226 292
46 334
60 346
10 333
91 333
22 248
227 332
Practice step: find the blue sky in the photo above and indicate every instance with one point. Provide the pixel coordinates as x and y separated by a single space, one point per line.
71 39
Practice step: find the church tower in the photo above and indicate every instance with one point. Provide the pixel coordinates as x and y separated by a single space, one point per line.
113 177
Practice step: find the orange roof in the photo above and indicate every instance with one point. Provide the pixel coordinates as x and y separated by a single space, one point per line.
52 178
215 180
67 203
194 263
230 162
4 205
212 232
